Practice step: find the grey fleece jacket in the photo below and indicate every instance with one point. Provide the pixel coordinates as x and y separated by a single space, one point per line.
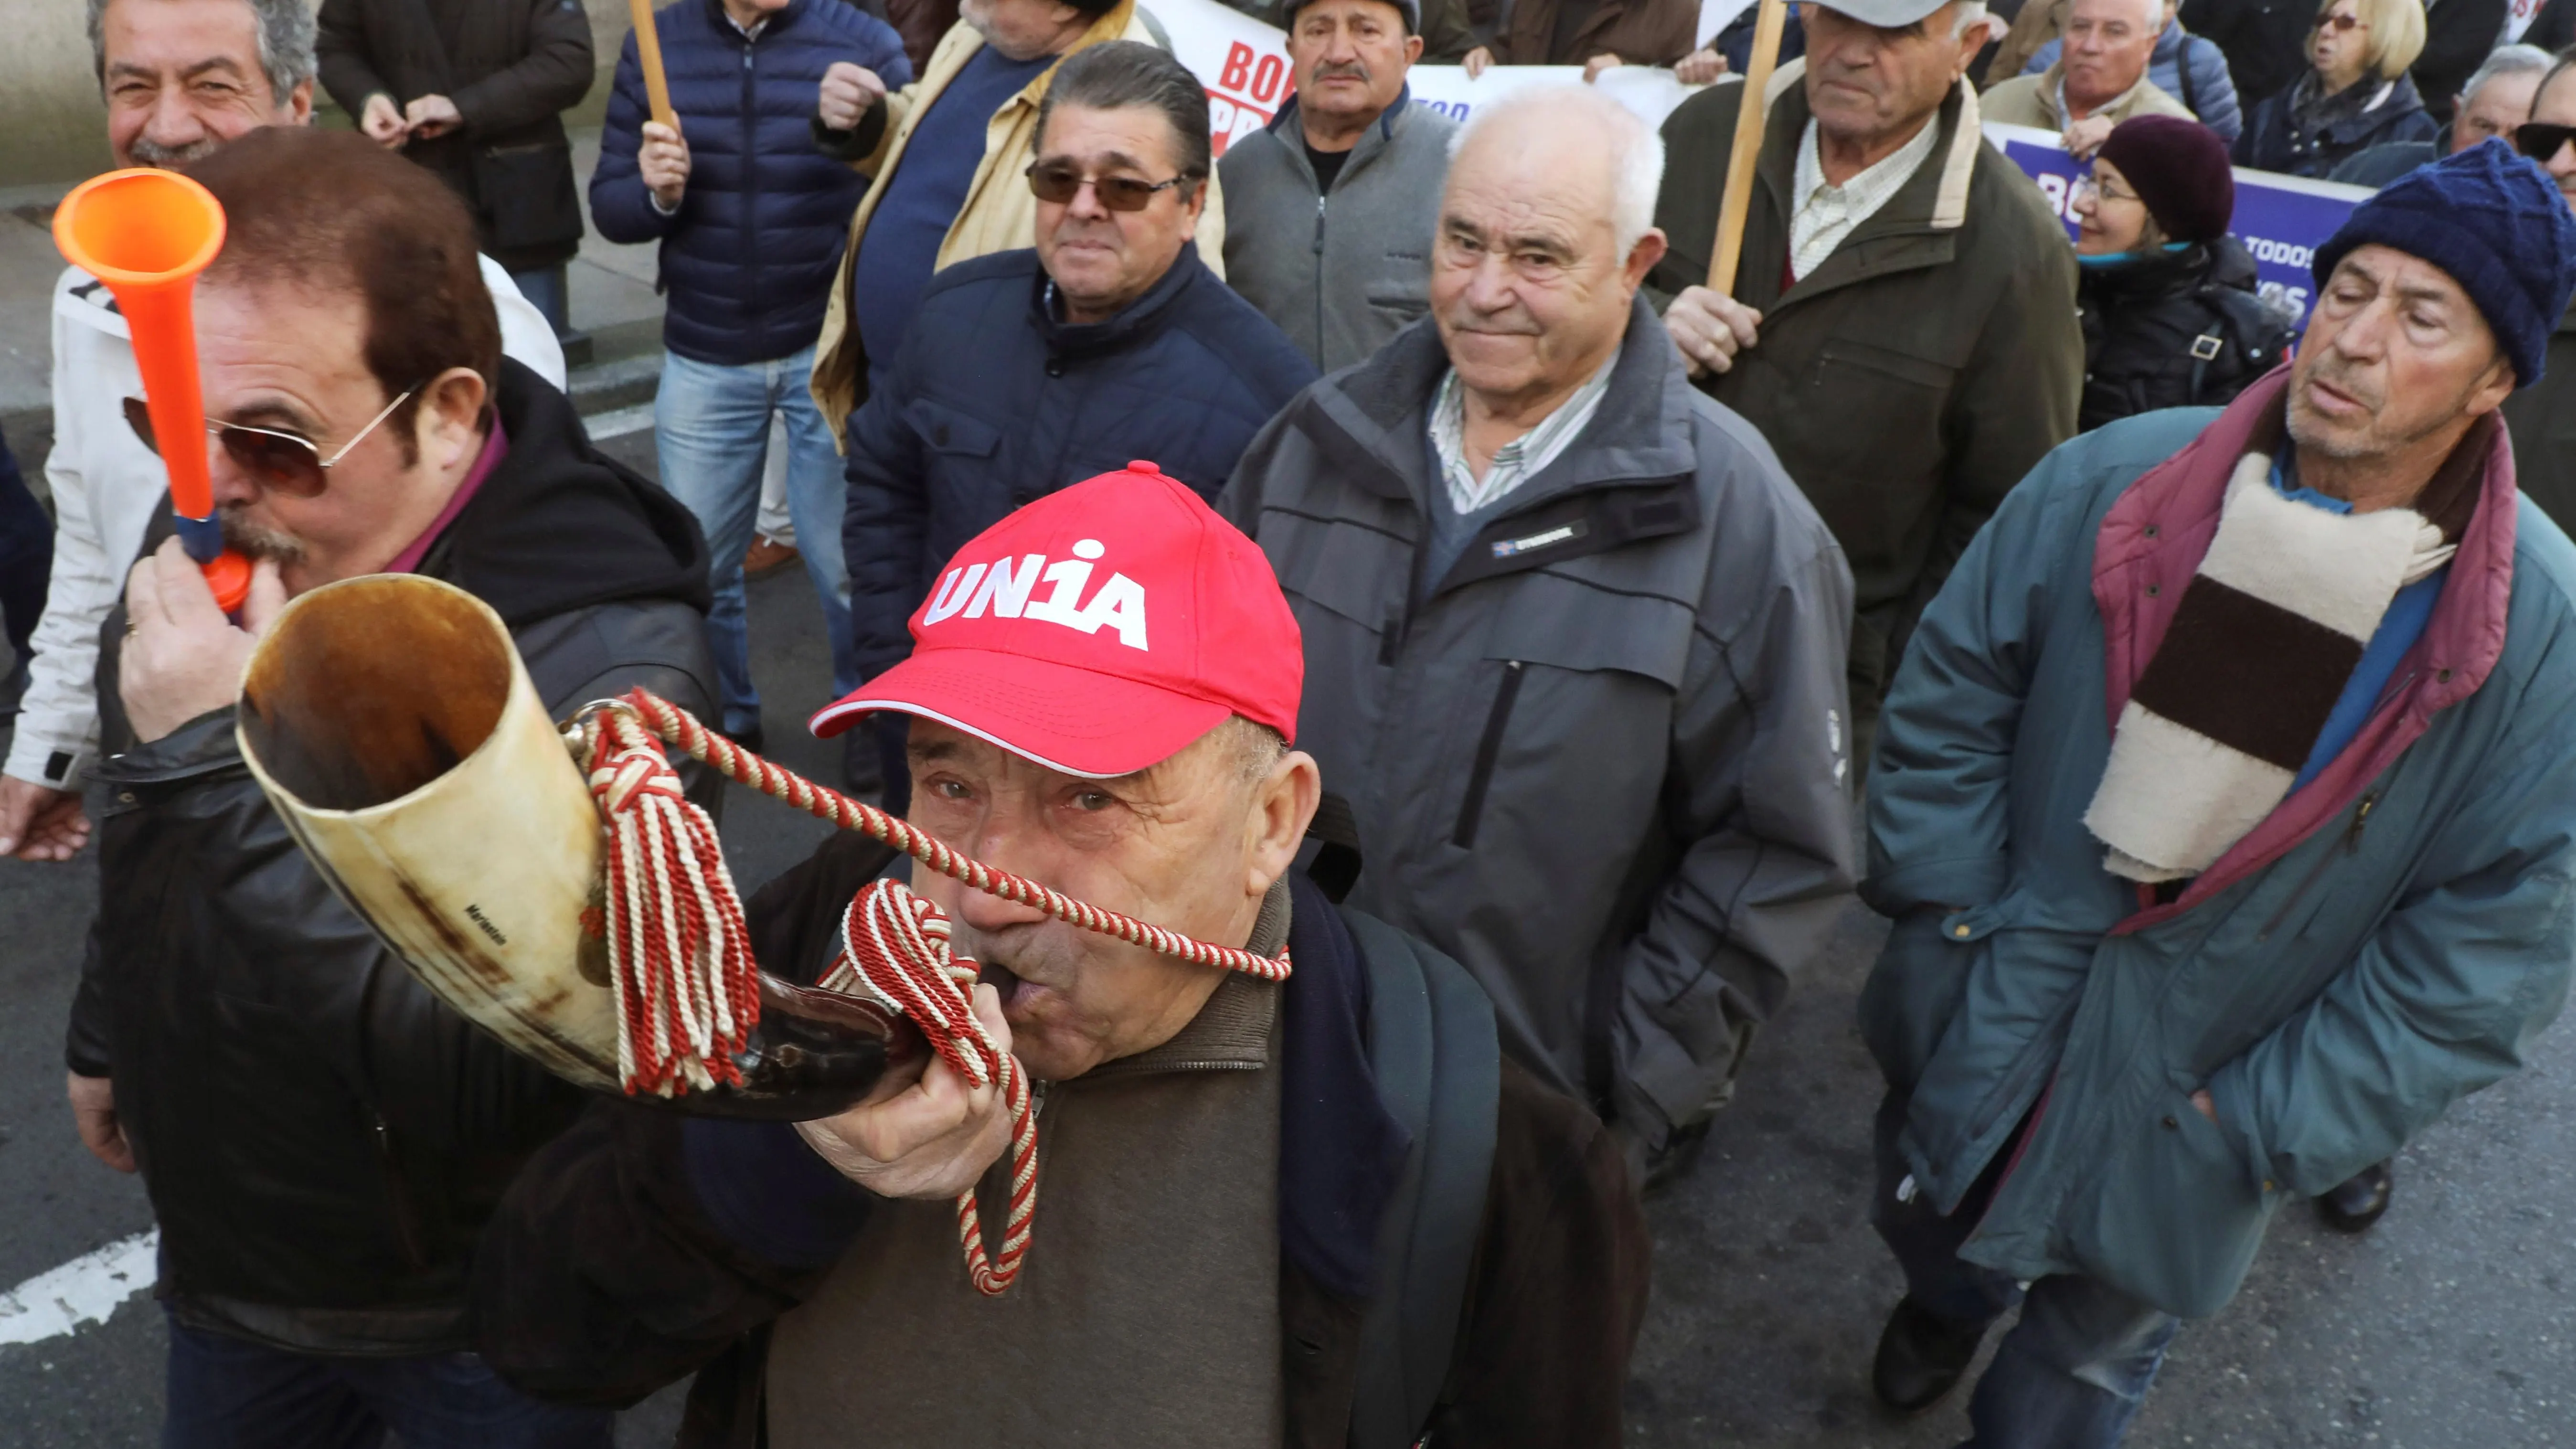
1603 762
1340 272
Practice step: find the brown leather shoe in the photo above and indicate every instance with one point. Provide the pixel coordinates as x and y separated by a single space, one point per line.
767 556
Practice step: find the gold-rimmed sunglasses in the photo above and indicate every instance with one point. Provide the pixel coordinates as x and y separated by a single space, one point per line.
282 462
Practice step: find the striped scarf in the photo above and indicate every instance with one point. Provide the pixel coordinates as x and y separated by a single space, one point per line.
2262 643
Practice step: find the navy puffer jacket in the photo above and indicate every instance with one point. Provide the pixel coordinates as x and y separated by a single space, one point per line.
748 259
993 402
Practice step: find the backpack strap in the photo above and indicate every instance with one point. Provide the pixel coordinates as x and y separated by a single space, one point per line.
2239 322
1438 1064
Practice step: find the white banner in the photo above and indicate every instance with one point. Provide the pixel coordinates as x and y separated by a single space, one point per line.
2519 18
1244 65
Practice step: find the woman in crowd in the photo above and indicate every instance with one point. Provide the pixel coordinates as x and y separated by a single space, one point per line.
2355 95
2166 295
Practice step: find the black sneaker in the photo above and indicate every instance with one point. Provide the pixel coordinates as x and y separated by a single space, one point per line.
2353 1205
1921 1357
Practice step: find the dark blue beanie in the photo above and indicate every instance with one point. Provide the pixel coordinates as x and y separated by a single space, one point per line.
2494 220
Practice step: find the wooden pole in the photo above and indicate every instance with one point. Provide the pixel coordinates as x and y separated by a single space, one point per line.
1751 116
648 54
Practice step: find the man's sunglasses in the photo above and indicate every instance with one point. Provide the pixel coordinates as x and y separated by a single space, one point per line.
1057 185
2540 140
278 462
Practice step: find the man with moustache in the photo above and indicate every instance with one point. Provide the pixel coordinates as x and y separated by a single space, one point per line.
321 1138
181 77
2221 807
1334 200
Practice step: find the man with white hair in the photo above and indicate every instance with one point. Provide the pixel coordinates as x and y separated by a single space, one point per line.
2097 81
1574 643
2493 105
1903 325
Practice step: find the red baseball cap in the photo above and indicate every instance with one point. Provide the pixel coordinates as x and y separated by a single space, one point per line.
1098 631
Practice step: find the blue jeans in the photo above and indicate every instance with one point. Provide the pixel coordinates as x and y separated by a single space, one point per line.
230 1393
711 430
2073 1371
550 293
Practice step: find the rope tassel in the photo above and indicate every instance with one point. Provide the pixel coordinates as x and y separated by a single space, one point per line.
895 951
688 992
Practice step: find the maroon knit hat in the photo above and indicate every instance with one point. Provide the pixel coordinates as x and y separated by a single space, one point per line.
2179 169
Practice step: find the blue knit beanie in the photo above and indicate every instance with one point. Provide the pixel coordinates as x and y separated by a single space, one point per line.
2494 220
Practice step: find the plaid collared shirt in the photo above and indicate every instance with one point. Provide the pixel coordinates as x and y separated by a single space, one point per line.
1826 214
1517 461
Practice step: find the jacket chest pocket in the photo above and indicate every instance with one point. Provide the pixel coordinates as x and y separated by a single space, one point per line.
945 430
1881 395
1566 668
1401 291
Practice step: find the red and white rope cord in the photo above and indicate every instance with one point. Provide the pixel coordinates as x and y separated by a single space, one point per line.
688 991
895 951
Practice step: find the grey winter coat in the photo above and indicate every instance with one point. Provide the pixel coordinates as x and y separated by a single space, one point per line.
1602 763
1341 272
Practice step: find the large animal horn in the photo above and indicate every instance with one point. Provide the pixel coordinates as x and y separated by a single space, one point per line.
396 732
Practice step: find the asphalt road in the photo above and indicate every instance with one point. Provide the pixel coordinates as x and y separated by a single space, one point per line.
2451 1324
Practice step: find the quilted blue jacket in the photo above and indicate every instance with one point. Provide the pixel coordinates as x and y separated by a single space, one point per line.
748 259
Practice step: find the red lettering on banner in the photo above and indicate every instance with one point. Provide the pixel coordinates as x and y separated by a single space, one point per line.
1265 79
1237 74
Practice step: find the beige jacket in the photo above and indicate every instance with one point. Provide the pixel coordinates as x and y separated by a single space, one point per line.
999 215
2031 100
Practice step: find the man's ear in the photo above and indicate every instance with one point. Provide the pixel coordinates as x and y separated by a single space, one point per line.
299 104
1284 805
1412 50
451 417
2490 391
1642 257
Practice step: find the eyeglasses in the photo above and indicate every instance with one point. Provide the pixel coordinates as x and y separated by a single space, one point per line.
1057 184
279 462
2339 24
2540 140
2087 186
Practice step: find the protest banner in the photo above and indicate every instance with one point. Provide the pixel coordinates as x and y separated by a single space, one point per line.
1244 65
2281 219
2518 18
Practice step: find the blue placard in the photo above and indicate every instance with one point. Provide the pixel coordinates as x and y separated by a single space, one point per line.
2281 219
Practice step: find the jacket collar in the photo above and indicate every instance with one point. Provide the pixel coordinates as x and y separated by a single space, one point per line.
2052 88
1143 316
1630 475
2152 541
777 21
1936 199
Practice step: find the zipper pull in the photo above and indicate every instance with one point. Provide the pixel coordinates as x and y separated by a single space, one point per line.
2360 818
1319 224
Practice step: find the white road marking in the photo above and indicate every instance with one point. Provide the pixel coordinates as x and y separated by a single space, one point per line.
85 1290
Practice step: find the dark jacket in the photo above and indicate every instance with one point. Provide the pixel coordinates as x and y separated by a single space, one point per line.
993 402
2174 329
1339 271
2458 37
2542 418
2384 163
638 1247
1640 32
748 259
1912 378
321 1137
2371 113
2554 28
2265 41
512 67
922 24
1658 595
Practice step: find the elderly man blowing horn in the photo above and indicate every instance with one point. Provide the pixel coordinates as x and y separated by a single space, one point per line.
1279 1213
2223 807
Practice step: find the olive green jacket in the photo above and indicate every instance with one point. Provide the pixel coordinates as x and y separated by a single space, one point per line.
1912 378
